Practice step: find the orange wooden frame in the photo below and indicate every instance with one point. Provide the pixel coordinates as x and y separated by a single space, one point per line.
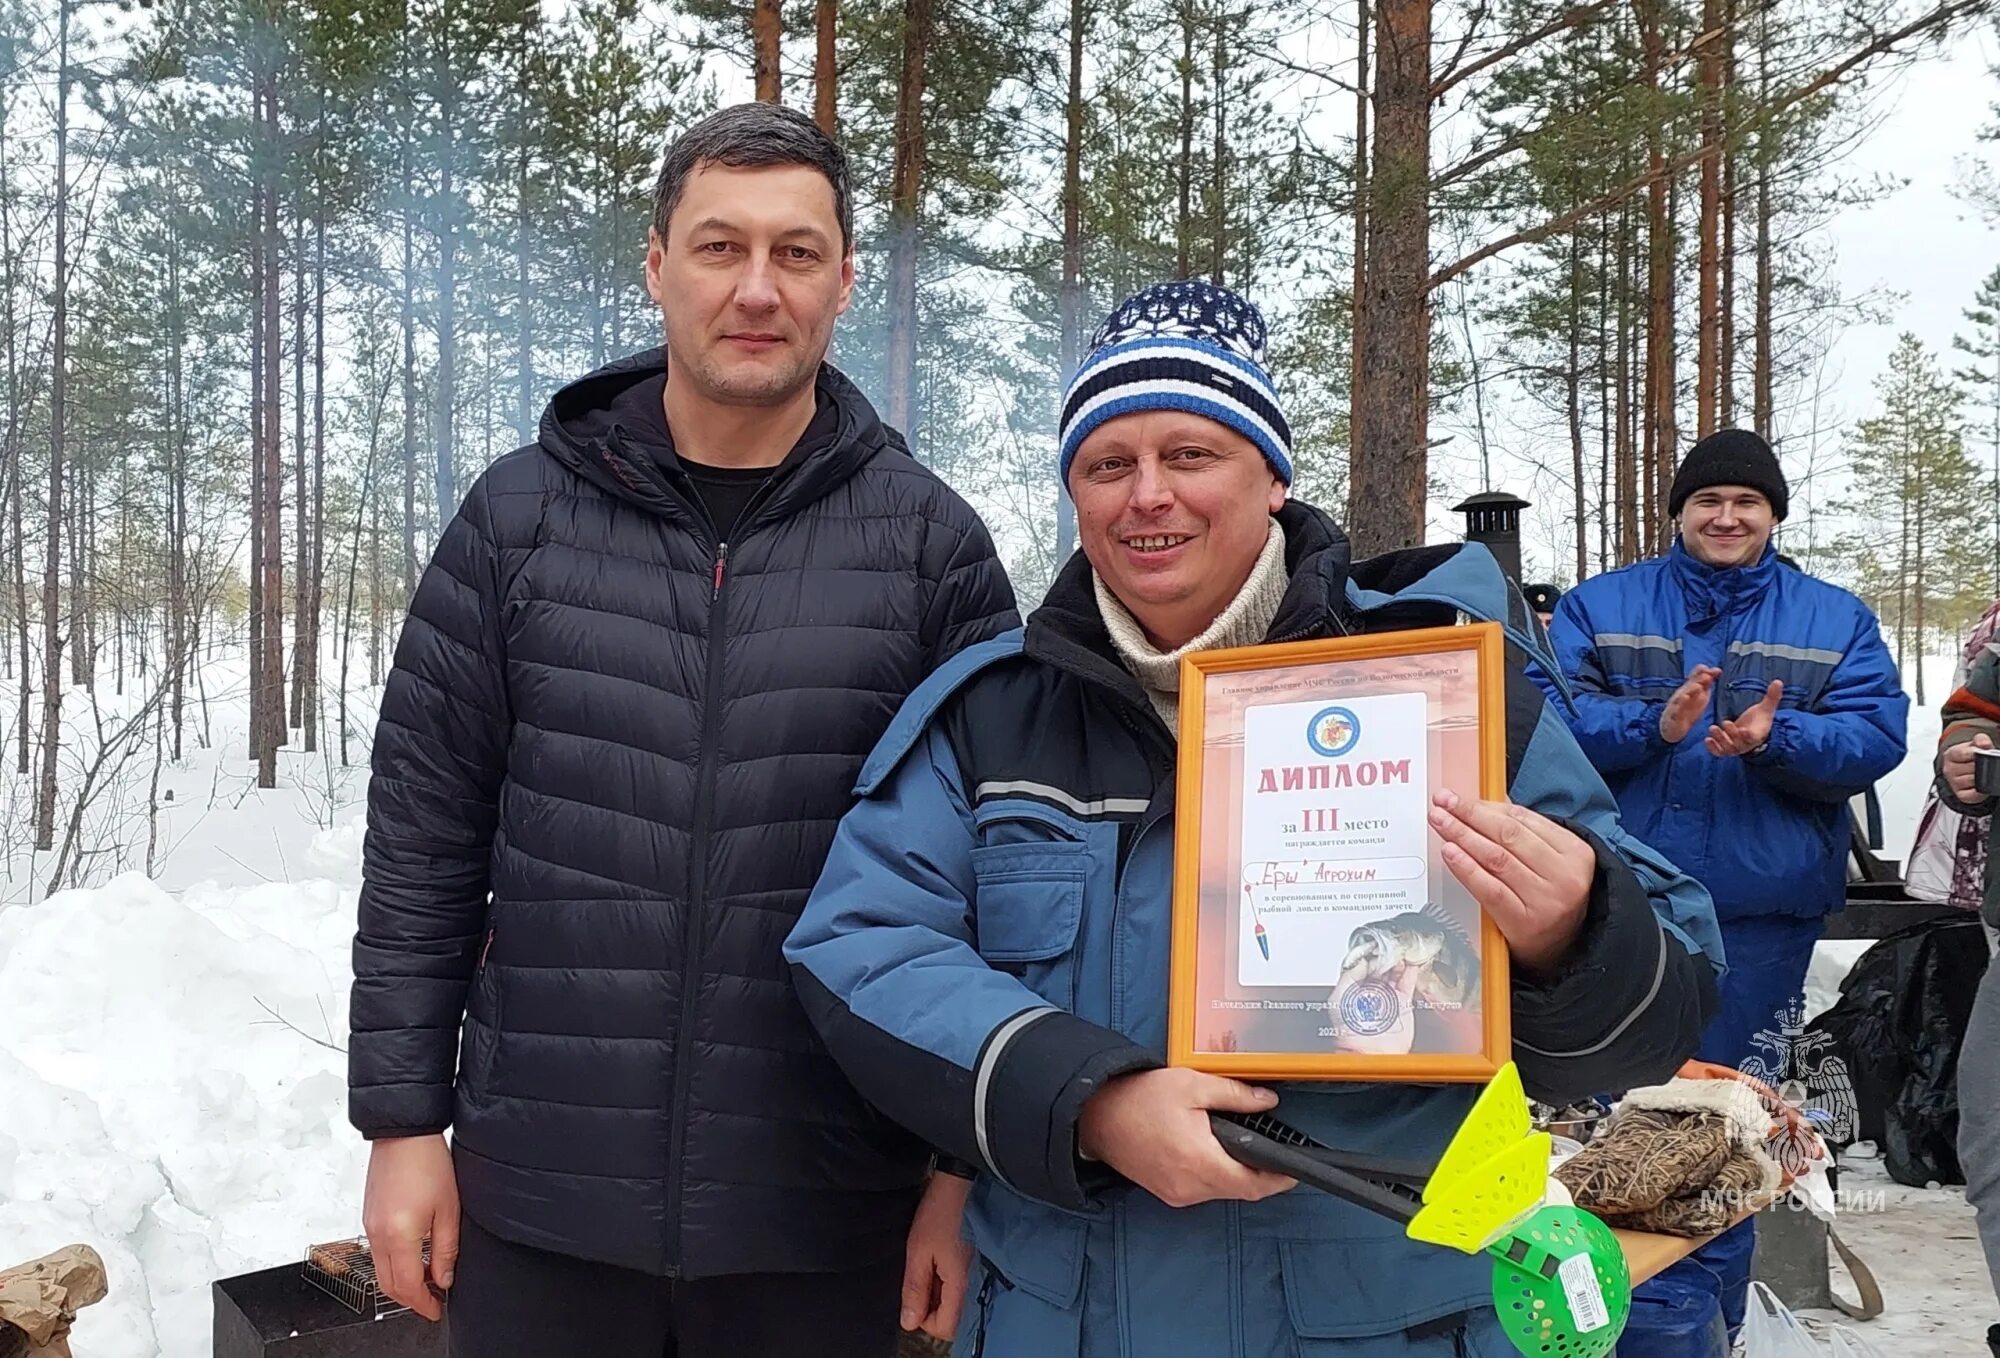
1487 642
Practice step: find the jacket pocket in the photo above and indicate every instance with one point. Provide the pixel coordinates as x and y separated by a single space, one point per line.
480 1042
1026 1293
1373 1299
1028 910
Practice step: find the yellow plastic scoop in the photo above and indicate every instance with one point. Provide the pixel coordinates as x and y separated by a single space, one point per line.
1492 1176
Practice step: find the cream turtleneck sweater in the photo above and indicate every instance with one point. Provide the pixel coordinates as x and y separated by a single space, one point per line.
1245 622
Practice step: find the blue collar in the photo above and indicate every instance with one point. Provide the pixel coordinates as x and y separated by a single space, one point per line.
1716 590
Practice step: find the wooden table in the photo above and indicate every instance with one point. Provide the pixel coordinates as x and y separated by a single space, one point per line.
1648 1254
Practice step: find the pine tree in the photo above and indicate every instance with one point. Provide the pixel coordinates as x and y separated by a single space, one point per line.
1918 497
612 109
1981 377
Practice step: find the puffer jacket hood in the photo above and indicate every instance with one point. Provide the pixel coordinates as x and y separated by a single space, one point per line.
580 430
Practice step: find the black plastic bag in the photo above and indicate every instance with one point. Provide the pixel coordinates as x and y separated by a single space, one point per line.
1897 1028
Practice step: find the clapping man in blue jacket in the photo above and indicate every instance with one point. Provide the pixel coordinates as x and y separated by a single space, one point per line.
1734 704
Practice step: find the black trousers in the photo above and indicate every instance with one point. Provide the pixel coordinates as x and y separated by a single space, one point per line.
511 1301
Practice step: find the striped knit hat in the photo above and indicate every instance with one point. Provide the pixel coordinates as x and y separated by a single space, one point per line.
1185 345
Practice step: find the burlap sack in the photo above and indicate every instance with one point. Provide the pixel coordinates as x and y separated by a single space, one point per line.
1743 1178
1644 1158
1683 1158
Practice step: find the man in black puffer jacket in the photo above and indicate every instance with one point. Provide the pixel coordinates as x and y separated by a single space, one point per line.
627 712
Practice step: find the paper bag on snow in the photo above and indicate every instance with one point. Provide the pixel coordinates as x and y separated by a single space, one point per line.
42 1297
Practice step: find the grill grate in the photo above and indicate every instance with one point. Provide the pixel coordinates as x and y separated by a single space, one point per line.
345 1271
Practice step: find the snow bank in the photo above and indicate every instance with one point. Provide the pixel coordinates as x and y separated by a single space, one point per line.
1902 796
155 1104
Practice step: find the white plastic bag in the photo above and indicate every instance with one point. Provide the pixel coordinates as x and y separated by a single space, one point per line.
1770 1330
1814 1189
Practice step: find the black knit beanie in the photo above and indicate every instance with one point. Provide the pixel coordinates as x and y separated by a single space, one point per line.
1731 457
1542 598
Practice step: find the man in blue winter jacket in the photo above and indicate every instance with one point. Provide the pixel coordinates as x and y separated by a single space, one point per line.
1735 704
986 953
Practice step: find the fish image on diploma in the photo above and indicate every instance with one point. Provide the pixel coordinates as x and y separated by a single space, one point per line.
1430 941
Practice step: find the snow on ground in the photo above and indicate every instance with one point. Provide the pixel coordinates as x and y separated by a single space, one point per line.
1937 1298
210 822
168 1096
166 1092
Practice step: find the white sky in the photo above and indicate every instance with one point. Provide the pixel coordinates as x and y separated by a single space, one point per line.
1921 241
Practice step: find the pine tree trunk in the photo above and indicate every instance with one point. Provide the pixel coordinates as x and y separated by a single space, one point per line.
25 672
122 586
85 556
45 803
1478 391
1903 560
1573 382
905 209
1662 531
273 681
1604 400
485 305
1708 322
363 508
447 293
1761 412
301 577
1919 456
1389 475
524 341
826 73
1630 399
1184 221
16 491
1363 31
1070 301
1654 448
79 539
178 657
766 38
1725 378
316 600
1218 170
1996 476
409 334
377 613
256 657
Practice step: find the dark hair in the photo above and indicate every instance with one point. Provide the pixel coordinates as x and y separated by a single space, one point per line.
751 136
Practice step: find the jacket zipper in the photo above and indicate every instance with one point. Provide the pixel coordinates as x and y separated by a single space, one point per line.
691 930
697 897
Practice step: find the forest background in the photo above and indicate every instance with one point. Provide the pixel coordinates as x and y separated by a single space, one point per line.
277 280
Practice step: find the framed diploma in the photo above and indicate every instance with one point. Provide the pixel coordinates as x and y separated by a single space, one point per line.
1317 934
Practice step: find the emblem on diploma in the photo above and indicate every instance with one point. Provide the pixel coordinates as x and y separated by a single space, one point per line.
1317 933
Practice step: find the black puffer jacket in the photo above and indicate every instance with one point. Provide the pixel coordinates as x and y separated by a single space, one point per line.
640 743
